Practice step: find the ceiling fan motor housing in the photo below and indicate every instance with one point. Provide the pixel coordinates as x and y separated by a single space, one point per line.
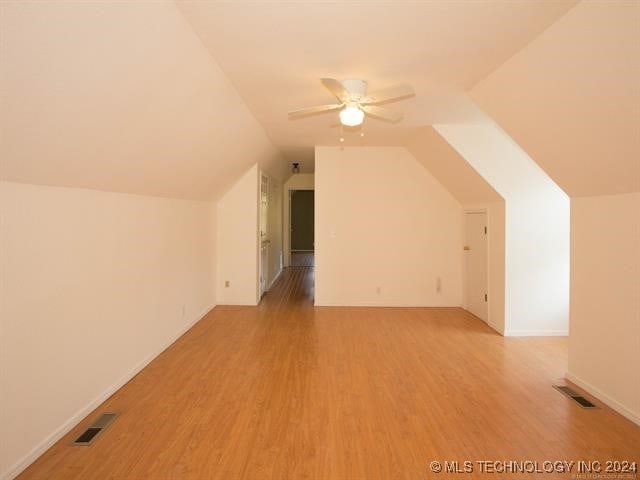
357 88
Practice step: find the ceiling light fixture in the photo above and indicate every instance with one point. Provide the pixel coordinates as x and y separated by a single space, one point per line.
351 116
295 168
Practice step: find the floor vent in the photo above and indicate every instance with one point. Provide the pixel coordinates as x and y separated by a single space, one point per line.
95 429
572 394
566 390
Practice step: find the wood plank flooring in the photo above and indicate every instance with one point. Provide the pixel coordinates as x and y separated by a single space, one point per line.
289 391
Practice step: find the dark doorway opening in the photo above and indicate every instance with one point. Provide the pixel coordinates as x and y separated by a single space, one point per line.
302 210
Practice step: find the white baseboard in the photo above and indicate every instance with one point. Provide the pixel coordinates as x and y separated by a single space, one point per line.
63 429
536 333
495 327
604 398
236 304
380 305
275 278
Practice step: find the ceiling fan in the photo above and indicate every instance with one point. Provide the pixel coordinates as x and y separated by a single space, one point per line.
355 103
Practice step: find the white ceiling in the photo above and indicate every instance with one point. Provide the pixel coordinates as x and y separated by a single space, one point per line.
275 53
571 99
174 99
119 96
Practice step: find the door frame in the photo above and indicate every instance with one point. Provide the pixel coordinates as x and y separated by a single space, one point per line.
264 240
291 194
465 304
287 223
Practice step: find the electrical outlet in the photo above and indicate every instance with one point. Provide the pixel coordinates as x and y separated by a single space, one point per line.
378 290
227 284
438 285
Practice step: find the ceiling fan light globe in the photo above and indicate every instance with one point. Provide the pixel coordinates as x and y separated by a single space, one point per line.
351 116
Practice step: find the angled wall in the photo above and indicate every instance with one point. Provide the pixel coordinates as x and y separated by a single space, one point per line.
109 97
451 169
536 229
119 96
474 193
571 99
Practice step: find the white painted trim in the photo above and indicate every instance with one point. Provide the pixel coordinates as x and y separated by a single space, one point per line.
604 398
237 304
286 220
495 327
66 427
485 209
536 333
384 305
275 278
475 210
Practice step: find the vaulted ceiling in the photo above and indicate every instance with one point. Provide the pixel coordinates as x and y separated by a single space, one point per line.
451 169
119 96
178 99
571 98
276 52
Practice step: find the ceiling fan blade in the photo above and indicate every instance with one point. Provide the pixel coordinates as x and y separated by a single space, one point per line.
336 87
382 113
314 110
389 94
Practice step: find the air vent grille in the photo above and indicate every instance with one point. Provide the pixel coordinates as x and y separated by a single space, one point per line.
575 396
95 429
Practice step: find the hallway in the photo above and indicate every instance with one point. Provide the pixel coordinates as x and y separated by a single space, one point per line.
302 259
288 391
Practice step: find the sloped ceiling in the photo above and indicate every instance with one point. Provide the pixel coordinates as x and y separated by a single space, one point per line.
119 96
571 98
276 52
451 169
131 97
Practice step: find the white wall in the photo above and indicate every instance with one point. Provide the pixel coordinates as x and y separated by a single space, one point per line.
497 218
570 98
237 241
450 168
93 285
604 345
383 222
297 181
474 193
536 229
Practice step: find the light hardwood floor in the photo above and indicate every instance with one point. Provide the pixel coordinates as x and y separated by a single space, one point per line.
289 391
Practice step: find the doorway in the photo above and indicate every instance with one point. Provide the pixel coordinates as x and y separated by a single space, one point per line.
265 242
302 227
475 263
